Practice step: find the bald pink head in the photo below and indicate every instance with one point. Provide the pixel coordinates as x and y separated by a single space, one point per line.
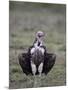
39 34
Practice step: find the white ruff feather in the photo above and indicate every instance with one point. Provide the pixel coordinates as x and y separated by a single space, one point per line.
37 48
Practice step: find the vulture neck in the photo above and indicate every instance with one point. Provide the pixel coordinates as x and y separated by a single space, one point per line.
38 42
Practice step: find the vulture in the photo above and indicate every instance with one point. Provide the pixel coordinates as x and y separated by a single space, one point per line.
37 60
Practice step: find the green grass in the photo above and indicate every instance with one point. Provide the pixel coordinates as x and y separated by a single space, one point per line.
23 26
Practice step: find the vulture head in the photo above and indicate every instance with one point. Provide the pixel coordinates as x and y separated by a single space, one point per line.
39 39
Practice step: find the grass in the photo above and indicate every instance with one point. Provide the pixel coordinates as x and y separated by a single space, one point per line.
23 26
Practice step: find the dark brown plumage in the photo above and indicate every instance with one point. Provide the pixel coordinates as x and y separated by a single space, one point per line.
25 58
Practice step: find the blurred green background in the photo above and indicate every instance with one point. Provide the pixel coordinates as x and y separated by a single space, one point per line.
25 19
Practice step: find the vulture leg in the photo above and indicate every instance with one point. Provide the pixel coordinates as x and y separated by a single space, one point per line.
40 68
33 66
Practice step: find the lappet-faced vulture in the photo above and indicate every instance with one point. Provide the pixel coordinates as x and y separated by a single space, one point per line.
37 60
